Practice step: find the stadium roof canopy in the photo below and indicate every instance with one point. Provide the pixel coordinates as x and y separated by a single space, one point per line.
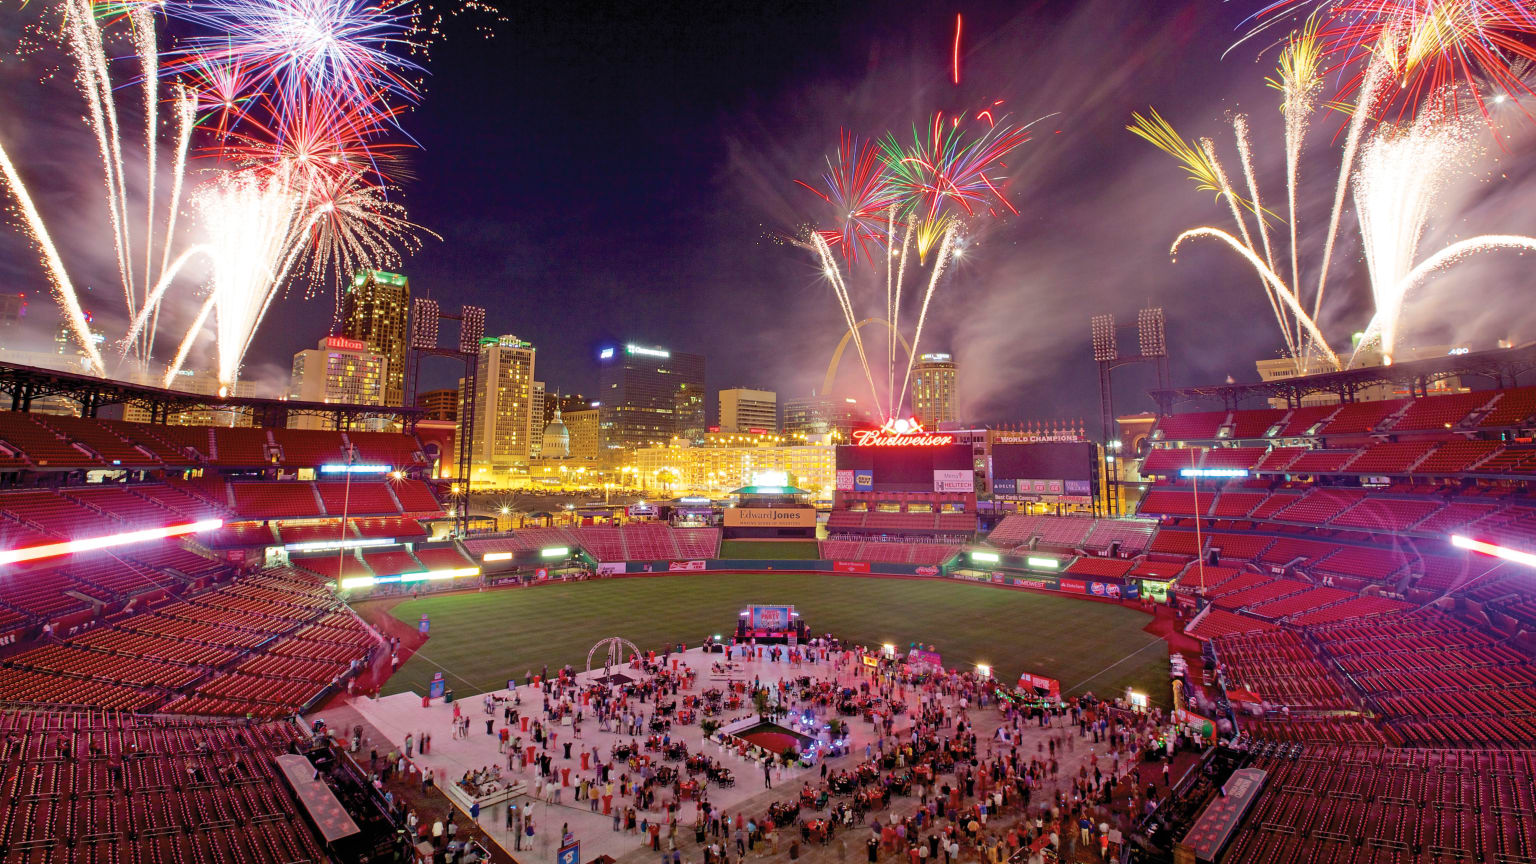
23 384
1501 367
769 490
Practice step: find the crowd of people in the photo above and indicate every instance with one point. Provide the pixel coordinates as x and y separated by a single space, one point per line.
928 784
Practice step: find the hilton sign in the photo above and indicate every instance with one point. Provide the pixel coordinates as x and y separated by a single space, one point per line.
901 433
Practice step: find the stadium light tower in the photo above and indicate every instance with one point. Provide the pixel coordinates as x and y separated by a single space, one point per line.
1152 350
426 321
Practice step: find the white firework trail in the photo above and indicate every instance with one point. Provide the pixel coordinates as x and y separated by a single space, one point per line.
1375 77
63 288
890 307
151 308
1233 202
143 21
946 251
893 319
1245 155
187 341
840 288
96 85
1276 285
1441 260
1402 173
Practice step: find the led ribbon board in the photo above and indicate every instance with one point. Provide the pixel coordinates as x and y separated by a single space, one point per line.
91 544
1213 472
341 468
1493 549
429 575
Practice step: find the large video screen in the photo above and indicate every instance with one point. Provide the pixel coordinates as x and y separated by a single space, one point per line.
771 617
904 469
1046 461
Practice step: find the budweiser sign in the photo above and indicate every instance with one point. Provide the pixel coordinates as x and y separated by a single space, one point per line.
901 433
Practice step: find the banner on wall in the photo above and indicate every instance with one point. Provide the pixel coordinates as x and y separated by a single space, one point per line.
953 480
850 566
927 570
610 568
770 517
1041 685
845 480
1106 590
1074 586
686 565
863 480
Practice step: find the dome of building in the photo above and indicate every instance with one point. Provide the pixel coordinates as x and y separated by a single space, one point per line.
557 439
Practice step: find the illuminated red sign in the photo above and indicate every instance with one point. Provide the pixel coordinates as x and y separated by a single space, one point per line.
901 433
342 343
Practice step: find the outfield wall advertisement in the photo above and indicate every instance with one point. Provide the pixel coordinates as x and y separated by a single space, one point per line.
770 517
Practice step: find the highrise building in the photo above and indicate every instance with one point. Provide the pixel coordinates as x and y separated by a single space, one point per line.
337 370
536 421
647 396
933 389
374 309
504 393
819 415
582 431
746 410
438 404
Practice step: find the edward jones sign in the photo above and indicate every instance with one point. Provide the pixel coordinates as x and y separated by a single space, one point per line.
770 517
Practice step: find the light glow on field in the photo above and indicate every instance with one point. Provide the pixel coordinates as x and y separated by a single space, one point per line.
91 544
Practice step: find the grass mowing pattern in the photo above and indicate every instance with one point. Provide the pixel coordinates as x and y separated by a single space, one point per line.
783 550
481 639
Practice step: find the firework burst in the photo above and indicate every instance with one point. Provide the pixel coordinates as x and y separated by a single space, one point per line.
1437 51
891 199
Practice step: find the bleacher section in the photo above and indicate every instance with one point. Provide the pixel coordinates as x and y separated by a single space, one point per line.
1336 798
928 554
145 789
198 654
1019 531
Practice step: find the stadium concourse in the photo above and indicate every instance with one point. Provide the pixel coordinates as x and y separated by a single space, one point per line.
172 602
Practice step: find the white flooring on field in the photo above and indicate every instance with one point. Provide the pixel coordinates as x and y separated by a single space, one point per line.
402 714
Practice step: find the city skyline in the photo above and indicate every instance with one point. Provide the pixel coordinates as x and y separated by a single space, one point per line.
680 241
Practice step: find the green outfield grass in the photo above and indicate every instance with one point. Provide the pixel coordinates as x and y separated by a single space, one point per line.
480 639
784 550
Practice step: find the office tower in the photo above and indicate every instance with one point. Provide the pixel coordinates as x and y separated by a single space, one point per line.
746 410
374 310
647 396
337 370
504 393
933 389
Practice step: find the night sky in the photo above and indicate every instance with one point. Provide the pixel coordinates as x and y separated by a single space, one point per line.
605 171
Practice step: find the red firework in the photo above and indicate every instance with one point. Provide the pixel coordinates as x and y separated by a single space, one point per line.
1437 50
861 195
